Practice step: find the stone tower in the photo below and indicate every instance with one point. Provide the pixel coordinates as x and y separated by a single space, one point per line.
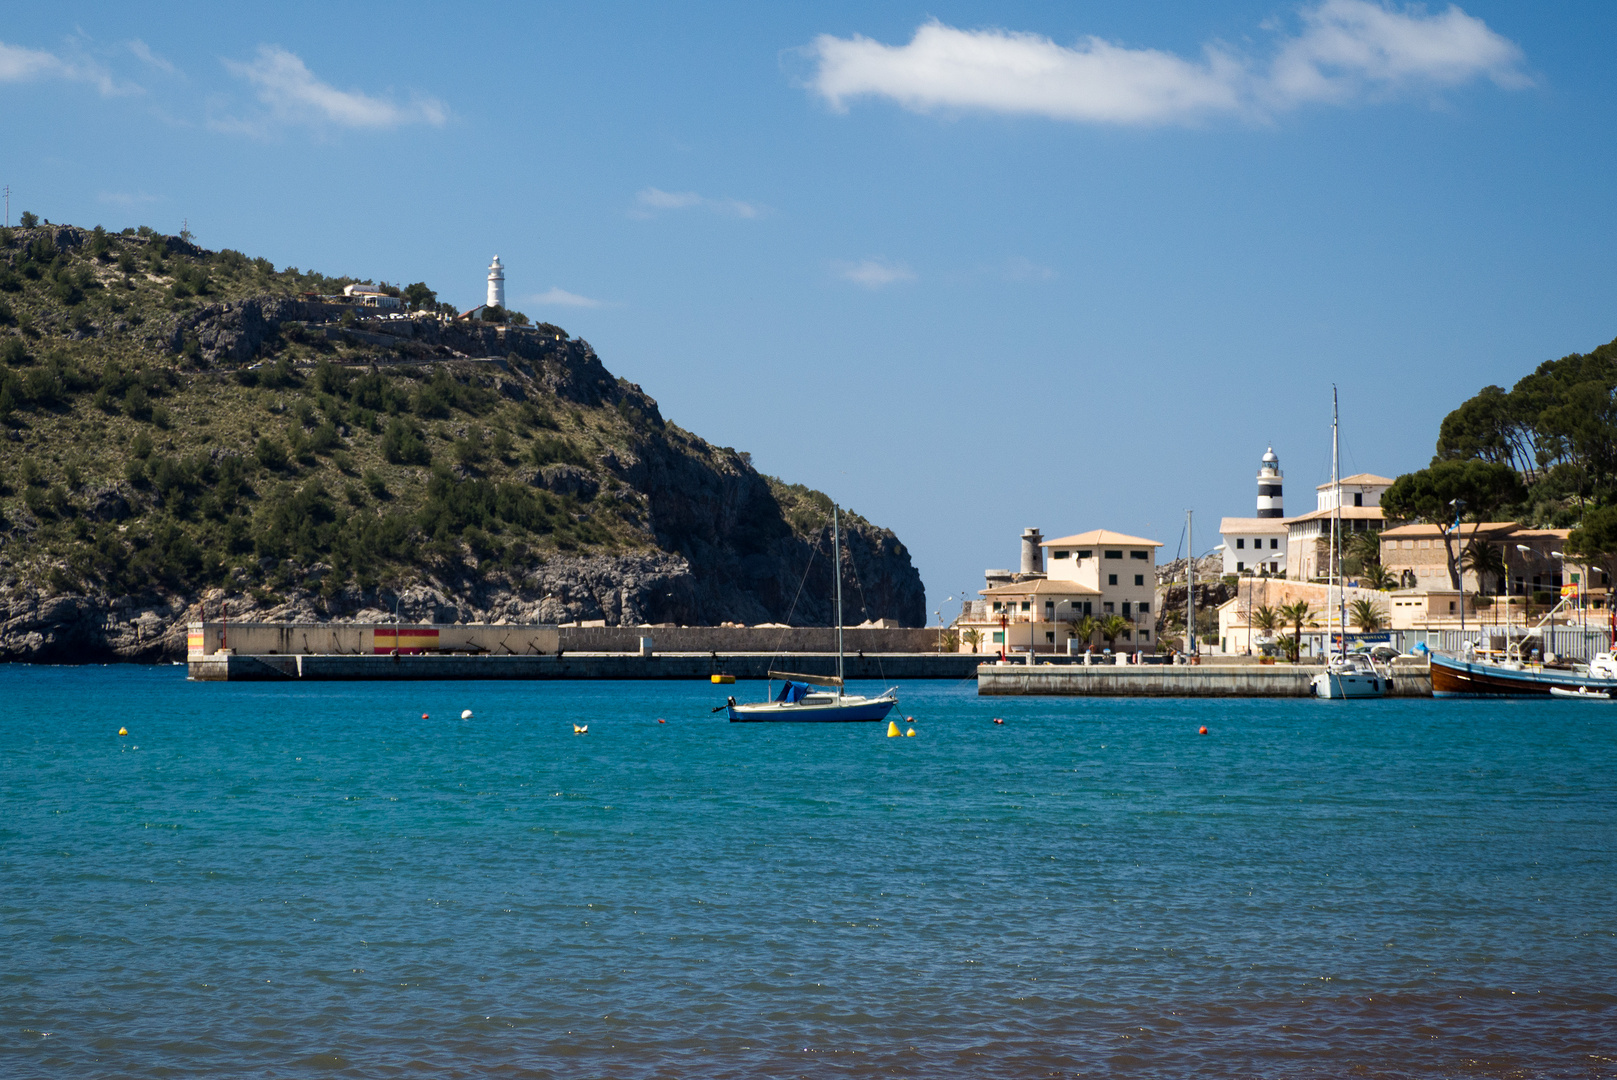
496 283
1271 504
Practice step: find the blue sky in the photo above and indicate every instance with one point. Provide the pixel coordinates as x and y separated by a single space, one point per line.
966 267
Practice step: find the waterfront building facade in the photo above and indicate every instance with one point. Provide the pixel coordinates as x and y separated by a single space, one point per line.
1308 537
1097 574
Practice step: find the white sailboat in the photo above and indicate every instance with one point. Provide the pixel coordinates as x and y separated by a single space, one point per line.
797 701
1344 676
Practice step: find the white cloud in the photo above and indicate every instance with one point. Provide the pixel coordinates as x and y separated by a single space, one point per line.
562 298
650 200
1345 49
126 198
293 94
144 52
19 64
875 273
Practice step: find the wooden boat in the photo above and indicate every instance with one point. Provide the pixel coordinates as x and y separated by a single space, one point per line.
1456 677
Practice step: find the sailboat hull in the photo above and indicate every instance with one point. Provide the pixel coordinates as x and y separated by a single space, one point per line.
842 711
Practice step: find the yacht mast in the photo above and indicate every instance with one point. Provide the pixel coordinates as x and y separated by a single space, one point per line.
1336 532
836 561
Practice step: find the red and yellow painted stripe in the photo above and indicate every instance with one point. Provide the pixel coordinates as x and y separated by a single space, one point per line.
406 639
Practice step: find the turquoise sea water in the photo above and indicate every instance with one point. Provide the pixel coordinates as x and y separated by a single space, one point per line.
313 880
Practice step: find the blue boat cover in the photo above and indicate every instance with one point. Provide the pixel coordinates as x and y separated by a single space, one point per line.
793 692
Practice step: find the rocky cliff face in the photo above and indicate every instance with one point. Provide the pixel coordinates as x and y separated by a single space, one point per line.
645 523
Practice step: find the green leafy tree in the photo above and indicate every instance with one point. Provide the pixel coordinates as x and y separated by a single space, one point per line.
419 298
1448 489
1595 540
28 220
1266 618
1084 629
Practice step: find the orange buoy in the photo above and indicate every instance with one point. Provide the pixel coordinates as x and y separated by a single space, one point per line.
1202 730
423 716
660 720
997 720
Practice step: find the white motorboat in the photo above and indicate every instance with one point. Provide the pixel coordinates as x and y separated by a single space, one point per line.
1582 693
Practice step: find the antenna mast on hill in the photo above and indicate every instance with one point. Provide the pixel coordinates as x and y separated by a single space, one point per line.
8 206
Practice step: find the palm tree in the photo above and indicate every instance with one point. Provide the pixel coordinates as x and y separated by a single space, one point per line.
973 638
1267 619
1366 615
1361 550
1378 577
1084 629
1483 559
1113 626
1297 614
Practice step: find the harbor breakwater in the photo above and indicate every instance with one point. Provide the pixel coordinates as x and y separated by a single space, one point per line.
1179 681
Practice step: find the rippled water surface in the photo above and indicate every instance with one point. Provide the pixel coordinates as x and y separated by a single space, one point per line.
311 880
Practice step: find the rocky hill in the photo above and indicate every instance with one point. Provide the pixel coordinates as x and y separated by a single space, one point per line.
181 429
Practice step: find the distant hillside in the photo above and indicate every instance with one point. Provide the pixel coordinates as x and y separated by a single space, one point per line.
182 427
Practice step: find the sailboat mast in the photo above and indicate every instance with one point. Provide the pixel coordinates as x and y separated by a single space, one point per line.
1336 529
836 561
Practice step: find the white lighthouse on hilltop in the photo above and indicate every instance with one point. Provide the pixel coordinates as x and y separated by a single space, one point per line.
496 283
1271 499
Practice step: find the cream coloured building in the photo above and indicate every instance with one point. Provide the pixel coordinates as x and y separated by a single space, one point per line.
1308 537
1097 573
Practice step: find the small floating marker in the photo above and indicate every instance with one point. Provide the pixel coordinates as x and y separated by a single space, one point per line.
892 730
997 720
1202 730
423 716
660 720
465 714
581 729
123 731
723 678
910 733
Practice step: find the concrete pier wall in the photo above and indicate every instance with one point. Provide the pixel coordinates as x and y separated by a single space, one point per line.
311 639
888 667
1204 680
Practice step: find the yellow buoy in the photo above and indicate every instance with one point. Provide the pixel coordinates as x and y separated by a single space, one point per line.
910 733
892 730
123 731
724 678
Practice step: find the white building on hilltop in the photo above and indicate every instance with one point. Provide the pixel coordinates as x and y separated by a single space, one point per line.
1257 545
496 283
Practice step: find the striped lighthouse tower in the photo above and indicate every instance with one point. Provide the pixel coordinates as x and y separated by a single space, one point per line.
1271 504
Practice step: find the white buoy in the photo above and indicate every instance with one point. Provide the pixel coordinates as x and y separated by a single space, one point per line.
466 714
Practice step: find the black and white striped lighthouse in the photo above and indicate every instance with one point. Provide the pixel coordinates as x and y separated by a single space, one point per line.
1270 502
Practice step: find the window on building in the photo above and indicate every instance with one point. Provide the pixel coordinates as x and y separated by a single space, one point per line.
1409 545
999 637
1085 554
1106 607
1240 566
1274 543
1139 555
1089 607
1274 568
1451 605
1061 553
1128 635
1126 607
1145 606
1114 554
1240 542
1358 498
1050 636
1050 608
997 605
1027 605
1139 579
1145 635
1111 579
